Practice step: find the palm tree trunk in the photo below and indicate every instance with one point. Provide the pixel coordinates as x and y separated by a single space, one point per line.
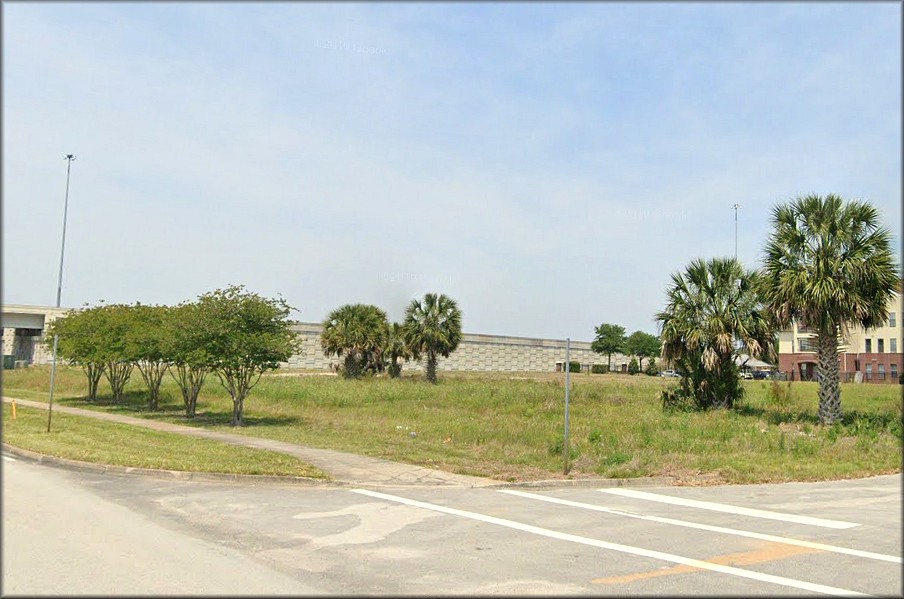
431 367
352 365
827 376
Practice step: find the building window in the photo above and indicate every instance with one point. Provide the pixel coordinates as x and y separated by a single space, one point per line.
869 372
806 344
881 346
869 346
891 319
894 372
893 345
881 376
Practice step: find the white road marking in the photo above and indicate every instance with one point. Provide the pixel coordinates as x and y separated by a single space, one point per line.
732 531
668 557
730 509
6 458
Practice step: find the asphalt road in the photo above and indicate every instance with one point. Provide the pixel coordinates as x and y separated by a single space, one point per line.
68 532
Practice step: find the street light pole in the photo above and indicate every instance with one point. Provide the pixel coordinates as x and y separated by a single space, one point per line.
736 207
56 338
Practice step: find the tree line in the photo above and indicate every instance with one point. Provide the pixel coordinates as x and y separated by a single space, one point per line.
238 335
610 339
233 333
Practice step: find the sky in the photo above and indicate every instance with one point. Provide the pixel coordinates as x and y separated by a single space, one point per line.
548 166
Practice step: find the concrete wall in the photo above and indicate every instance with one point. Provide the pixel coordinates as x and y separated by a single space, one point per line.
488 353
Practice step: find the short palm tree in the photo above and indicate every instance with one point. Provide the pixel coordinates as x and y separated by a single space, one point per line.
828 265
358 332
712 314
396 349
432 327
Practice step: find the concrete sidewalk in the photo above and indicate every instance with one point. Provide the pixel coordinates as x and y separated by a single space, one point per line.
344 468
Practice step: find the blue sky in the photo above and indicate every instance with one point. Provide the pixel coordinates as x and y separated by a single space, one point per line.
546 165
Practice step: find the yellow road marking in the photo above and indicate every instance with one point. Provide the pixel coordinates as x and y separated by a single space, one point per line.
771 552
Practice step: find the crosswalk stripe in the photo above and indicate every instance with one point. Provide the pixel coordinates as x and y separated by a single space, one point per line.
720 529
730 509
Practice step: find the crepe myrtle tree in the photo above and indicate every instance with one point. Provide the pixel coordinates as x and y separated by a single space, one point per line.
244 335
78 343
828 265
432 328
114 324
147 341
186 351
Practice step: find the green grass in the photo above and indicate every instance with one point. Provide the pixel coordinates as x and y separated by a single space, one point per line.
90 440
510 426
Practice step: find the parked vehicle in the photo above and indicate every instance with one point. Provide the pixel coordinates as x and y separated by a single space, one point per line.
746 374
760 375
669 373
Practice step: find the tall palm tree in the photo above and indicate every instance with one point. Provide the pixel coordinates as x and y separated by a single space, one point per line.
712 314
358 332
828 265
432 327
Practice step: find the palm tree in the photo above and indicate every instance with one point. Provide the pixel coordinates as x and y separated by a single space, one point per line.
396 349
828 265
713 313
432 327
357 331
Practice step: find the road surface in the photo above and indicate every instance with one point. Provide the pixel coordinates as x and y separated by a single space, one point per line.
69 531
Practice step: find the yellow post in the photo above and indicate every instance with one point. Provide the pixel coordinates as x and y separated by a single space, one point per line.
13 403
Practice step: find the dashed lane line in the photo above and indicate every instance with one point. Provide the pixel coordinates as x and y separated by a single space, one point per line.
720 529
668 557
730 509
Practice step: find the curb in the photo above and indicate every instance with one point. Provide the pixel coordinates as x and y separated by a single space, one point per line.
171 474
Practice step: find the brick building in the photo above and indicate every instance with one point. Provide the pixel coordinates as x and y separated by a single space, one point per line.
874 355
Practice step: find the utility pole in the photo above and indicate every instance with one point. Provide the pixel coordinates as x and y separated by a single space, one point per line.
56 338
736 207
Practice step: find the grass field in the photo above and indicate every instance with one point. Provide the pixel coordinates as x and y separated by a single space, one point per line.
89 440
510 426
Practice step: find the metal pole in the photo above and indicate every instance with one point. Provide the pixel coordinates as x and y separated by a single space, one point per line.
567 390
736 207
56 338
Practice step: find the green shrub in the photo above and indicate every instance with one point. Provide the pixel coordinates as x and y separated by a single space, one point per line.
652 369
599 368
574 366
633 366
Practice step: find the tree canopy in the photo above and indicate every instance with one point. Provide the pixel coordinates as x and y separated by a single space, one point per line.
244 335
609 339
642 345
432 327
358 332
